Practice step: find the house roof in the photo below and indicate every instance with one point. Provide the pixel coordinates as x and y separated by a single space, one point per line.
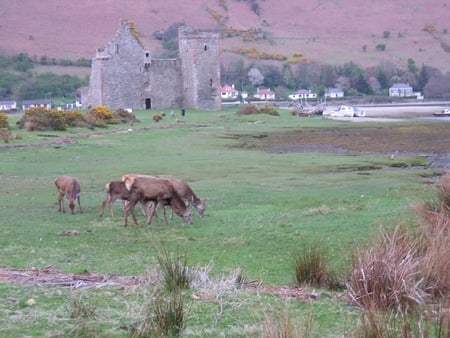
264 91
39 101
229 89
7 102
401 85
334 90
303 91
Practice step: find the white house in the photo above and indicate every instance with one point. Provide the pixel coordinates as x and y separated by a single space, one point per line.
229 92
74 105
264 94
401 89
27 104
8 105
303 94
334 92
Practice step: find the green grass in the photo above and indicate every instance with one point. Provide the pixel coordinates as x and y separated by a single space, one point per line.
262 207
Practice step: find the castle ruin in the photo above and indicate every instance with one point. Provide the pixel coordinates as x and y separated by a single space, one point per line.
124 75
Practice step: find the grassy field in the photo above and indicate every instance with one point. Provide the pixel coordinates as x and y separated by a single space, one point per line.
262 208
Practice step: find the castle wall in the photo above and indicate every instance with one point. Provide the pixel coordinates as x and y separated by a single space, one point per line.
199 53
163 84
123 74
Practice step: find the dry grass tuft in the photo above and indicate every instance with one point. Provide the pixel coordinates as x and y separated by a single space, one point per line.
311 268
386 277
402 283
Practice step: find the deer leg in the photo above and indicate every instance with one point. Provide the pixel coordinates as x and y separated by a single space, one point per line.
142 205
129 209
151 211
79 204
164 212
61 202
107 201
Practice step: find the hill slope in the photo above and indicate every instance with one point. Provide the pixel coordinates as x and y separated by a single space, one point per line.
329 31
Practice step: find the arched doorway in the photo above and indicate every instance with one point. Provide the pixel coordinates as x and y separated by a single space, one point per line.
148 103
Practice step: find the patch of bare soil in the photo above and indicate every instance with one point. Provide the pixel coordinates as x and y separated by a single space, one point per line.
50 276
430 140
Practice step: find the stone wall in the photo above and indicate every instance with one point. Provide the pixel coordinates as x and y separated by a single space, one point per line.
123 74
199 52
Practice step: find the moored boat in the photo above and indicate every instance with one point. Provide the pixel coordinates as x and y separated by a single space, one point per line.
445 112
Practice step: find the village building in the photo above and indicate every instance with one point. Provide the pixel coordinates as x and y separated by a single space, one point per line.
229 92
44 103
334 93
264 94
8 105
303 94
125 75
401 89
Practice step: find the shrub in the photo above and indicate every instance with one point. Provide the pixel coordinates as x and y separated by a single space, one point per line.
169 321
74 118
41 118
381 47
268 110
311 268
163 317
429 28
4 135
386 276
253 109
123 116
434 239
3 120
100 116
248 110
174 270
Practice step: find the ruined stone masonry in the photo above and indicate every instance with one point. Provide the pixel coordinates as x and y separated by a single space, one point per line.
124 75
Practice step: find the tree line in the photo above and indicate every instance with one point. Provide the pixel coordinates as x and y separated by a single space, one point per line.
19 81
350 77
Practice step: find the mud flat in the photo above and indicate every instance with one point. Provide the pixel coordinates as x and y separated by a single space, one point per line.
401 111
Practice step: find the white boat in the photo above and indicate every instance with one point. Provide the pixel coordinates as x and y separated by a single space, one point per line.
347 111
445 112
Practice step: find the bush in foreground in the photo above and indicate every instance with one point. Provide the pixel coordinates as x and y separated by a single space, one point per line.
251 109
311 268
402 283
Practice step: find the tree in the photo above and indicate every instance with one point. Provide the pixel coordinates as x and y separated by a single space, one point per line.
362 86
422 78
255 77
382 79
412 66
288 77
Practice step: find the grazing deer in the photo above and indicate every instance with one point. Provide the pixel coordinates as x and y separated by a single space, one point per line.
116 190
70 188
159 191
181 187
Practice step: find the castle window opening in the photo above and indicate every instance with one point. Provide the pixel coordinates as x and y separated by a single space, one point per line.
117 48
210 82
205 48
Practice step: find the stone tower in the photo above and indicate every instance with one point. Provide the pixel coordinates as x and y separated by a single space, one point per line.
200 64
124 75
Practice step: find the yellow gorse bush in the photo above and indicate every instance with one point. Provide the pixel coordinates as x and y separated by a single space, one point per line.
3 120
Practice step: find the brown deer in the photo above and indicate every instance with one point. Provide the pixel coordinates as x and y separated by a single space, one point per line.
116 190
70 188
159 191
182 188
187 194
